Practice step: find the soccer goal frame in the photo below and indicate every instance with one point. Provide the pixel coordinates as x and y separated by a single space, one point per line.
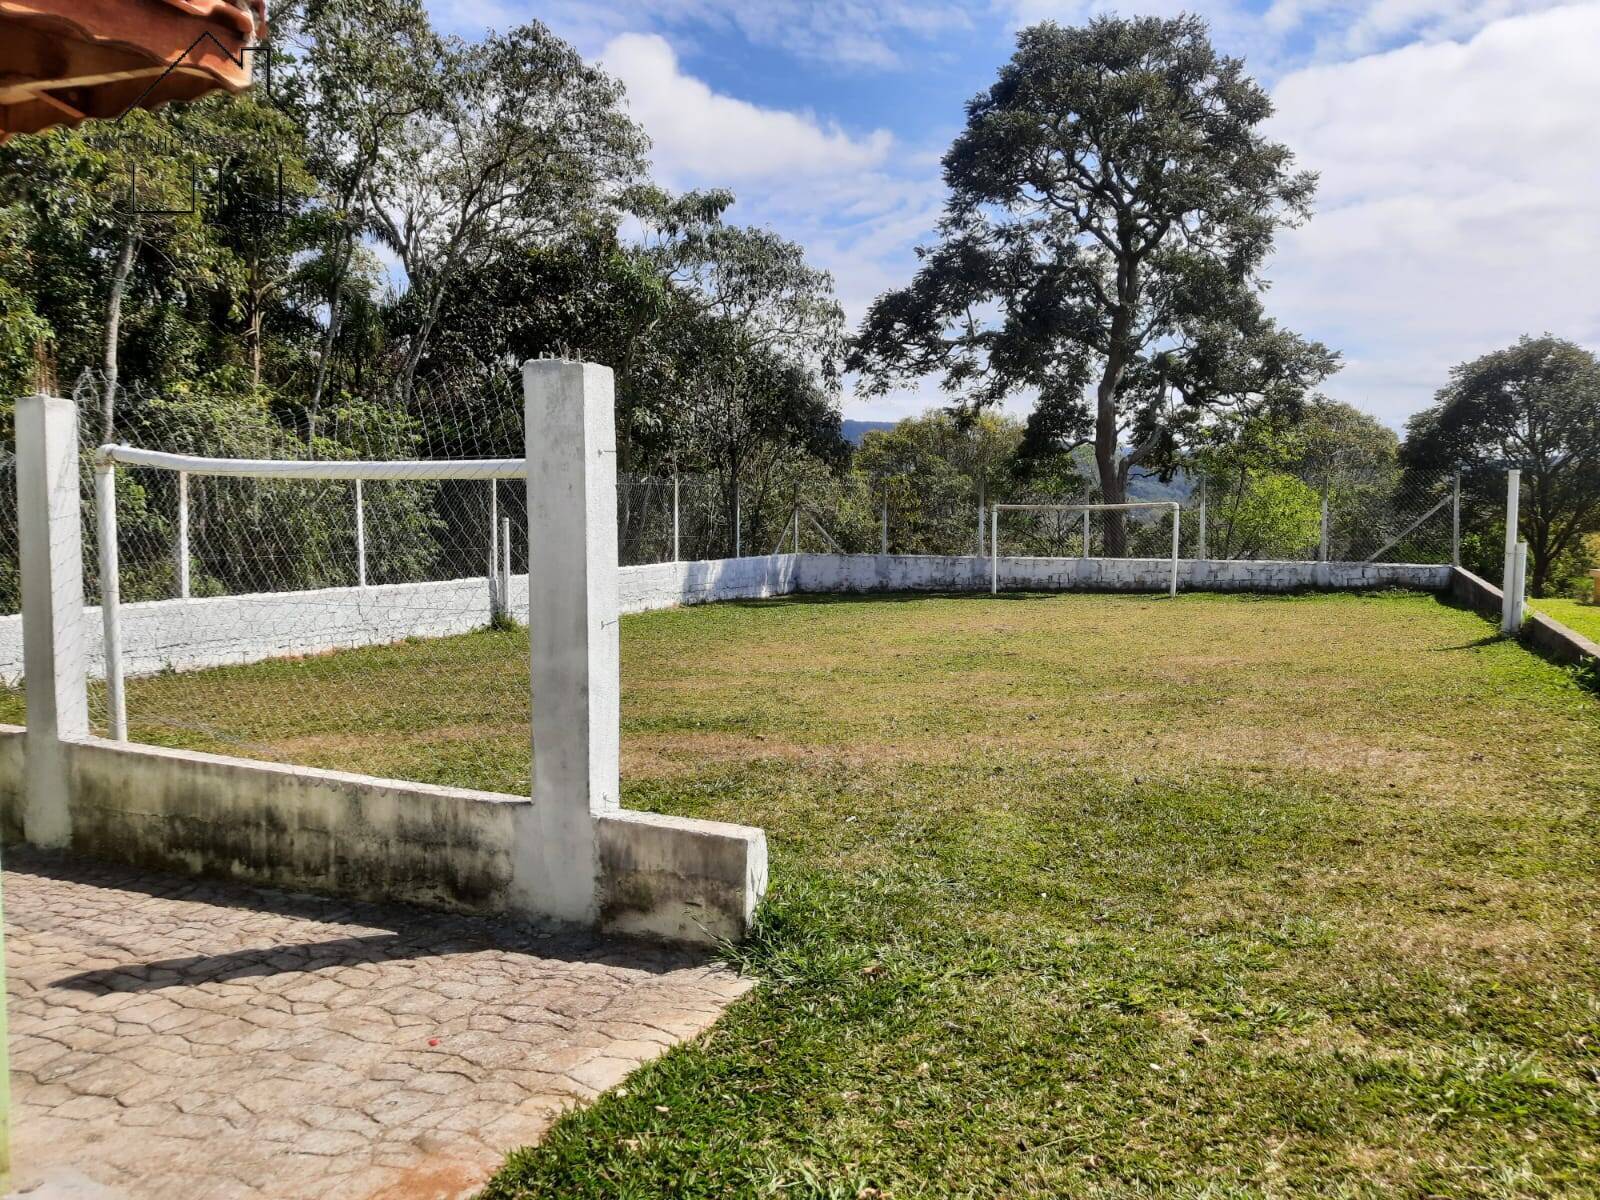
108 457
994 530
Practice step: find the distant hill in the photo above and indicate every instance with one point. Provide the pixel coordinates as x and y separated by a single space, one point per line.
854 431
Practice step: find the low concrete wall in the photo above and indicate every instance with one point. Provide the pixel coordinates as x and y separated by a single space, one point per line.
1474 592
667 585
382 839
678 877
13 781
918 572
1543 633
189 635
296 827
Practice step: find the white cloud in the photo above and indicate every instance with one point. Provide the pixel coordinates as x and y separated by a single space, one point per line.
1457 202
702 137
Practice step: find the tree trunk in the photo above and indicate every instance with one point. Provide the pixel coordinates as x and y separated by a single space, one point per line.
119 288
331 334
1106 462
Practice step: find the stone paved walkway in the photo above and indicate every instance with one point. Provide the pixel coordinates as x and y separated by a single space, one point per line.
174 1039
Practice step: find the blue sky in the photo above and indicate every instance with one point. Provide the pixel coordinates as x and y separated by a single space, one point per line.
1455 138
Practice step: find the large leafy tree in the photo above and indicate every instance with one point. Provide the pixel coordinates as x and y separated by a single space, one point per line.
1535 407
521 141
1111 202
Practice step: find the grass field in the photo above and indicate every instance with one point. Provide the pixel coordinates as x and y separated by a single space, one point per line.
1580 616
1072 895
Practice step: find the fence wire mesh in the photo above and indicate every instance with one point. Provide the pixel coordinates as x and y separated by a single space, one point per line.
380 623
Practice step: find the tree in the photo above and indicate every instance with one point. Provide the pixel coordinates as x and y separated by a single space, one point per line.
1534 407
522 141
1112 200
939 471
366 69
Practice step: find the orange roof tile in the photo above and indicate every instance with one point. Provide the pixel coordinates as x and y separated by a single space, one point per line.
63 61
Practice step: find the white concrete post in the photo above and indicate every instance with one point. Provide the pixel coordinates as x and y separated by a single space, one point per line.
53 632
494 548
1201 552
183 535
1322 535
105 511
738 521
1508 575
361 537
573 634
1085 553
677 555
795 517
884 544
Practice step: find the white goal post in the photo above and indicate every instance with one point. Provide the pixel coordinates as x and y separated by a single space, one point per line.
994 530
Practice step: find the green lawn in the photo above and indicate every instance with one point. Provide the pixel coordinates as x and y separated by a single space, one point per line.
1072 895
1580 616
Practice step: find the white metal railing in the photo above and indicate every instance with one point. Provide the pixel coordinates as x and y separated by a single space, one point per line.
994 530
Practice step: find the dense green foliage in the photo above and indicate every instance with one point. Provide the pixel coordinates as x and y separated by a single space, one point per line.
1534 406
355 261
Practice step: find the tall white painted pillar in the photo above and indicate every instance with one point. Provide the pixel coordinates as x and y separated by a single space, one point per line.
1509 616
54 638
572 622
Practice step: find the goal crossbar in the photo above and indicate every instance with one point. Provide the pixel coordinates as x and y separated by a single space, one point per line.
994 530
277 468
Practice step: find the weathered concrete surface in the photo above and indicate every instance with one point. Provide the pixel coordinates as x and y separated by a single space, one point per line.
928 572
1558 643
174 1040
1472 591
269 823
668 585
382 839
678 877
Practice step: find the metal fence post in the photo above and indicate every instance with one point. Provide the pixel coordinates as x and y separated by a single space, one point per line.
505 566
105 511
994 550
183 535
1519 592
677 556
1177 511
1201 554
361 537
494 549
1508 576
1085 553
1455 521
884 544
1322 531
738 521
